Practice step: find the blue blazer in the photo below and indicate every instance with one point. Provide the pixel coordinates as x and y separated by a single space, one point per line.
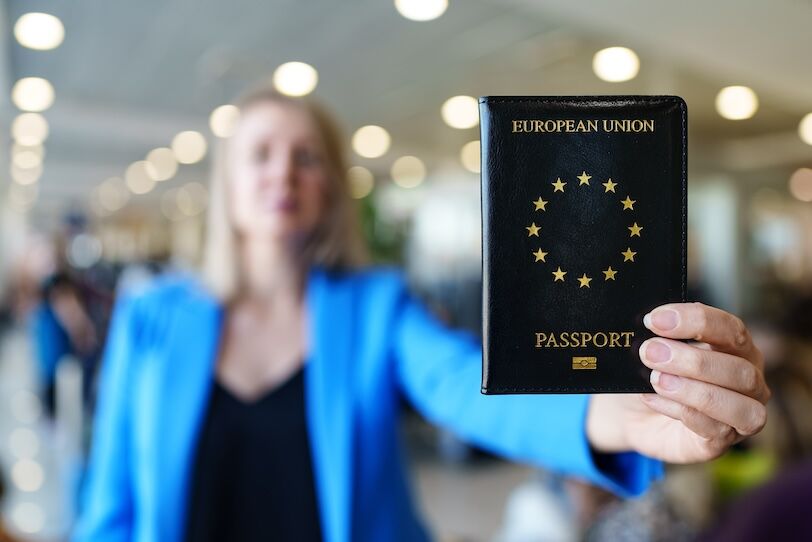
371 341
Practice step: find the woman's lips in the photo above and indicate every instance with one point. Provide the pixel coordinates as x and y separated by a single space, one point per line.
283 205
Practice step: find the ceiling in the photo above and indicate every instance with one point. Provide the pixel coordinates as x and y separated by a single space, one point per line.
130 75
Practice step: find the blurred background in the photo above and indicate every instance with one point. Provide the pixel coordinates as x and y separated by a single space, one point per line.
109 110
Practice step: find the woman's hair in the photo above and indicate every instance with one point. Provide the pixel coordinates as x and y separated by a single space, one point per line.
336 242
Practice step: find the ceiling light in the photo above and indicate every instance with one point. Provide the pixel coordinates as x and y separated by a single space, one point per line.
361 181
189 147
223 120
616 64
736 102
461 112
40 31
161 164
371 141
295 78
805 129
469 156
421 10
138 179
408 171
29 129
32 94
800 184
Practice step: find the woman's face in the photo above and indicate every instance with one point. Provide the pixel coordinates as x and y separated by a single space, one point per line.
278 172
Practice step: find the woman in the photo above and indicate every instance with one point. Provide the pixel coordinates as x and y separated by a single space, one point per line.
263 400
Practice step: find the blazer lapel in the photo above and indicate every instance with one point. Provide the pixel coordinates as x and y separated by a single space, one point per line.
183 389
328 381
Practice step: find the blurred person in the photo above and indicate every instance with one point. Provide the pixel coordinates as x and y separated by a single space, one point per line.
260 401
60 327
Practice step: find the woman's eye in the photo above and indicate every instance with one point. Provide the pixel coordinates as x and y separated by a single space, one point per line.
261 154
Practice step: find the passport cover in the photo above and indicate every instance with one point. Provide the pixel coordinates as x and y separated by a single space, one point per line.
584 207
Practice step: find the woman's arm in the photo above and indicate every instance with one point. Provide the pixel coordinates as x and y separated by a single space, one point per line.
440 371
106 511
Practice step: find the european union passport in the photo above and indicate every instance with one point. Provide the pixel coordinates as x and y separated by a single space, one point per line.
584 232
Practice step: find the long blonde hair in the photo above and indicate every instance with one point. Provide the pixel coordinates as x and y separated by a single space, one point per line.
336 243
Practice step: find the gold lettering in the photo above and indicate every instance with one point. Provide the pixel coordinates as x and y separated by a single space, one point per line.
628 336
583 339
588 125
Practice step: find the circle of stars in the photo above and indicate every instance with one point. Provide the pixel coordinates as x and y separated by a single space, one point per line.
540 256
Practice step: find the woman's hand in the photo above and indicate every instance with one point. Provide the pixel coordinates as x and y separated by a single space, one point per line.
710 394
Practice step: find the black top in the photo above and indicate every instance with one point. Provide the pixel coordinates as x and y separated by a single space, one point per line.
252 478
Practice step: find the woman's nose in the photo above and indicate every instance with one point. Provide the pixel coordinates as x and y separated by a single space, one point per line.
280 169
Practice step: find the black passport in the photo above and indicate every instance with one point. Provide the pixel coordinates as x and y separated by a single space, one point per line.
584 204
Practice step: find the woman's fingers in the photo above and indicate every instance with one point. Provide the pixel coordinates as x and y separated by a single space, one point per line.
723 331
745 414
701 424
726 370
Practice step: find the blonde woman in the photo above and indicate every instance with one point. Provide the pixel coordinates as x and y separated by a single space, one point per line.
261 400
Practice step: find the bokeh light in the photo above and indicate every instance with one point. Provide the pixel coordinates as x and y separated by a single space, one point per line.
223 120
361 181
138 178
32 94
29 129
461 112
371 141
800 184
736 103
469 156
408 171
421 10
616 64
40 31
295 78
189 147
161 164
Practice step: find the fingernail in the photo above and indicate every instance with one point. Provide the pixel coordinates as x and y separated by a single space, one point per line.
657 352
664 319
665 381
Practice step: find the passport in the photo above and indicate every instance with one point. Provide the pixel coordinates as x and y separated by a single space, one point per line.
584 208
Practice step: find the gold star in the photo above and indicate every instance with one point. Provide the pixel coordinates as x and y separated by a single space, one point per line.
540 204
628 256
628 203
635 229
609 274
559 274
559 186
540 255
584 178
610 186
532 230
584 280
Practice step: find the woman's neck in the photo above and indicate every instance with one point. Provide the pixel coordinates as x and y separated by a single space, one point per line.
272 270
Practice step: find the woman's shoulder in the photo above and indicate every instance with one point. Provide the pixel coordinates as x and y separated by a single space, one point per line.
165 289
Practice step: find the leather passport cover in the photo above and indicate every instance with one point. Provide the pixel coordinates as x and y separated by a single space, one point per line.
584 209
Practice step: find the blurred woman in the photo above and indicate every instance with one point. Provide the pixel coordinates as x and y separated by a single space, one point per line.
261 401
